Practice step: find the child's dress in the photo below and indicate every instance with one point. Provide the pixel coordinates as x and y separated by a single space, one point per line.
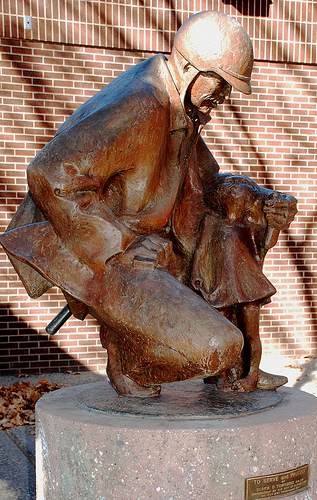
227 267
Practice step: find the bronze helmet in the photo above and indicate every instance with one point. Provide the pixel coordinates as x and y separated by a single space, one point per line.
213 41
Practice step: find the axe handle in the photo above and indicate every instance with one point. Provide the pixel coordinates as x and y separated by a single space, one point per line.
58 321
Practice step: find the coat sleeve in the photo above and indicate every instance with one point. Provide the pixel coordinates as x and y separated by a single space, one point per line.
78 179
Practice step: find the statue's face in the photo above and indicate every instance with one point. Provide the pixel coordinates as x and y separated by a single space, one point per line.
207 91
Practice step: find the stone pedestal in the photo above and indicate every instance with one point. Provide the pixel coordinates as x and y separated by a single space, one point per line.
93 455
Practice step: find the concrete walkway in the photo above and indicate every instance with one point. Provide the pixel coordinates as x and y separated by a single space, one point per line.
17 445
17 464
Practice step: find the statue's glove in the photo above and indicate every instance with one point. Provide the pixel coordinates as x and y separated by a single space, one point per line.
280 210
147 252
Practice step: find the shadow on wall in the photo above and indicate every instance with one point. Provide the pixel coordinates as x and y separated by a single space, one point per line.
256 8
24 350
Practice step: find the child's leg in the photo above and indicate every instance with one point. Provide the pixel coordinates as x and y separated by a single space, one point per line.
248 322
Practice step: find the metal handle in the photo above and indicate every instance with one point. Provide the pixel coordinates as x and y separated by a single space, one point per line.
58 321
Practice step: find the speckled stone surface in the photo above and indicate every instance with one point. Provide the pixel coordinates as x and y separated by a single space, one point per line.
89 455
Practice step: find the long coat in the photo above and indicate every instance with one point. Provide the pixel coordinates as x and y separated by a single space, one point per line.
126 163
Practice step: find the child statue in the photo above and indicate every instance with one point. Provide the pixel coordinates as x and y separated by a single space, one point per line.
227 269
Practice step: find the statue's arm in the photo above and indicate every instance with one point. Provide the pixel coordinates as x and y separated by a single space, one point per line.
277 211
280 210
79 180
70 198
67 180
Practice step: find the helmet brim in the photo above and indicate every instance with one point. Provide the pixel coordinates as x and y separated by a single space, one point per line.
238 84
243 85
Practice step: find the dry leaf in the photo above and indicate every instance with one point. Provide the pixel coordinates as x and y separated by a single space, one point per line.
17 402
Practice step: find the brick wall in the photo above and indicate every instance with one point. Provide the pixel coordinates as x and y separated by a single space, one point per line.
269 136
280 29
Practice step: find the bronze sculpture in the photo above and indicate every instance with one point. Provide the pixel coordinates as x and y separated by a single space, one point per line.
118 206
228 261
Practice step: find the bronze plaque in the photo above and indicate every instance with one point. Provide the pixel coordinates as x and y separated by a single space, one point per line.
277 485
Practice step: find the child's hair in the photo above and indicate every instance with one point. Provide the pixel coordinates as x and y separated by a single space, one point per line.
217 195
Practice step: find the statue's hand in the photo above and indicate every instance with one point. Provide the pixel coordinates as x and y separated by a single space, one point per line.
147 252
280 210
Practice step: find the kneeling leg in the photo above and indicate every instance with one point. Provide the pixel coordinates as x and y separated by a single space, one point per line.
164 332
